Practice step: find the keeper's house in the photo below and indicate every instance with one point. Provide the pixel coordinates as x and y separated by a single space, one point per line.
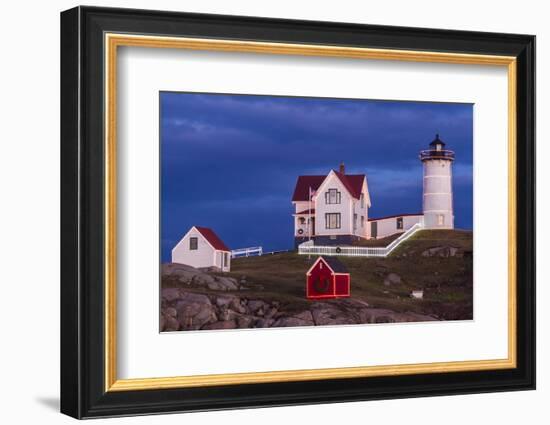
331 208
203 249
334 210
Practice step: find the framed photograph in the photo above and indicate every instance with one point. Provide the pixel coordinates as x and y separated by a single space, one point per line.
261 212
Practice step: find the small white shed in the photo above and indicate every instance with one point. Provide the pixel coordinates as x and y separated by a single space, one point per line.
202 248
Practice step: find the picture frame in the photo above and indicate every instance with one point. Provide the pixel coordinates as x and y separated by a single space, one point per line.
90 40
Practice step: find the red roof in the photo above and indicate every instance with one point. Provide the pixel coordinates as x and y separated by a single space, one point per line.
311 211
352 182
212 238
301 192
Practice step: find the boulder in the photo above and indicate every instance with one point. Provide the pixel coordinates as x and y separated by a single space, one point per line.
225 300
227 314
203 279
244 322
330 314
441 251
271 313
224 324
169 323
392 279
255 305
263 323
194 311
170 294
174 269
199 277
382 315
227 283
237 305
186 278
304 318
171 311
217 283
188 297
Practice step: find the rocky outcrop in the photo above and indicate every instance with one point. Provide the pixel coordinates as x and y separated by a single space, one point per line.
185 310
191 276
193 299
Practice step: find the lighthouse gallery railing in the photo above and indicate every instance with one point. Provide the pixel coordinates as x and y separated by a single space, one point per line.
435 154
358 251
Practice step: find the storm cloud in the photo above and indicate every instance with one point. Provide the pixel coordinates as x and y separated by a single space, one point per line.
230 162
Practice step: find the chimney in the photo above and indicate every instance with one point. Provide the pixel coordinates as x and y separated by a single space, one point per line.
342 168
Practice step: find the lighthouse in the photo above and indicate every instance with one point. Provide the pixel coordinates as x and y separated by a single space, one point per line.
437 202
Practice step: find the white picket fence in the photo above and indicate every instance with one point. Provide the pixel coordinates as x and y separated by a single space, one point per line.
308 248
253 251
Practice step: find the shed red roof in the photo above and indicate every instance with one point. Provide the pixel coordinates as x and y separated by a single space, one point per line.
352 182
212 238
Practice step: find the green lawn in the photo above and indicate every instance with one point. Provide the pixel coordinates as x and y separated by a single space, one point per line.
447 282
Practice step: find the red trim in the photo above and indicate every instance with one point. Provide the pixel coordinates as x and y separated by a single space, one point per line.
341 282
315 297
311 211
395 216
308 273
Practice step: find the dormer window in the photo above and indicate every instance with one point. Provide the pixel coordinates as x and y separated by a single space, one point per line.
332 196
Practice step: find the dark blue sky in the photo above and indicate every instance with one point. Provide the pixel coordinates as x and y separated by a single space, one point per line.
230 162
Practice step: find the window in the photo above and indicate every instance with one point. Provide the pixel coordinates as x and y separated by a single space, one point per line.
399 222
440 219
362 200
332 196
302 220
354 221
332 220
225 259
362 221
193 244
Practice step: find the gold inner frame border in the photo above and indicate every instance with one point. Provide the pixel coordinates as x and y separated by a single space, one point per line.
112 41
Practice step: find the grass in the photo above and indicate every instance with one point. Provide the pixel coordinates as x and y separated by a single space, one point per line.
447 282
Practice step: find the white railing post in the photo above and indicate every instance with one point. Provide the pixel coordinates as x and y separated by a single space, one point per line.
247 252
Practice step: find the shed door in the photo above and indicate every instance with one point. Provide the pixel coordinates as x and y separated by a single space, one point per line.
374 229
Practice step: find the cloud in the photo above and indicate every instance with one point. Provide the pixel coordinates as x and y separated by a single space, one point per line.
241 154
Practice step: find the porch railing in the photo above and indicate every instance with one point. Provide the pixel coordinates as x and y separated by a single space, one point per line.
358 251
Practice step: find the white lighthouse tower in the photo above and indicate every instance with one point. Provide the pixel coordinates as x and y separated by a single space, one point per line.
438 186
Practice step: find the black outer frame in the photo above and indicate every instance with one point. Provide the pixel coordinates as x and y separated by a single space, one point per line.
82 205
